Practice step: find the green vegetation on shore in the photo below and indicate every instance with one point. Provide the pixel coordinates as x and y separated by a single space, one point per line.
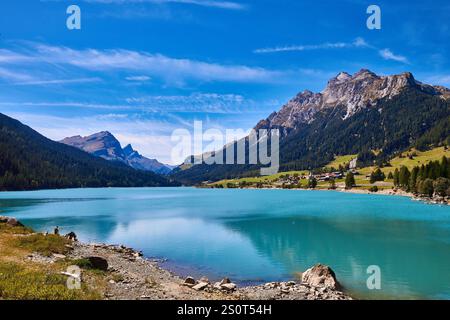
23 279
370 178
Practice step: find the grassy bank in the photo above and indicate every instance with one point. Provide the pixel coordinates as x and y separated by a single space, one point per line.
23 279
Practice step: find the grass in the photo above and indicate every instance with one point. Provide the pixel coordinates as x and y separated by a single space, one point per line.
418 159
18 282
261 179
341 161
7 229
44 244
22 279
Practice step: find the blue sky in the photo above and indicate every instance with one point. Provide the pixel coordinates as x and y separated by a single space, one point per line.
143 68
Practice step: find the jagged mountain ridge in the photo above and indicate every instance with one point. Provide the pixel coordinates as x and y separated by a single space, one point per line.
105 145
353 114
362 90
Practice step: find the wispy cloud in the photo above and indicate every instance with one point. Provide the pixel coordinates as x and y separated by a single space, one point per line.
358 43
387 54
193 103
138 78
25 79
58 81
201 102
172 70
228 5
14 76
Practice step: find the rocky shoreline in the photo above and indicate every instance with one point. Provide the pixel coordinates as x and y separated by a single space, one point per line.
137 278
400 193
125 274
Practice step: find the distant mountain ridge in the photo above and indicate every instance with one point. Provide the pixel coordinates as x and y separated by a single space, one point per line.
105 145
366 114
30 161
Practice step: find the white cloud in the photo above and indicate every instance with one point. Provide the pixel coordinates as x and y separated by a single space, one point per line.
138 78
57 81
14 76
213 103
197 102
172 70
387 54
203 3
358 43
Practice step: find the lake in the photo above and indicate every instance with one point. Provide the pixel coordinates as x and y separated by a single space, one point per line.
255 236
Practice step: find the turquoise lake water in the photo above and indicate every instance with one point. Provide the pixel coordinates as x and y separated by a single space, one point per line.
255 236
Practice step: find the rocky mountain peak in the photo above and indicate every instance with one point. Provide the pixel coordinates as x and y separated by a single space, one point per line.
103 144
355 92
128 150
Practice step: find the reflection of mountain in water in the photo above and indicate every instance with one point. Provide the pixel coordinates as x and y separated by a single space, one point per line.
349 247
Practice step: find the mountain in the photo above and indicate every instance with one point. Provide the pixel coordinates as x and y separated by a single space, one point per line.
29 161
366 114
137 161
106 146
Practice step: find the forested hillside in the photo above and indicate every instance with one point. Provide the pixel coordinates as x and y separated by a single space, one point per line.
30 161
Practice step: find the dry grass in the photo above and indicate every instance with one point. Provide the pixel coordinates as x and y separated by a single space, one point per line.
22 279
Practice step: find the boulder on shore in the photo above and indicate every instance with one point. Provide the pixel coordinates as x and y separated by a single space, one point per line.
98 263
321 276
13 222
189 282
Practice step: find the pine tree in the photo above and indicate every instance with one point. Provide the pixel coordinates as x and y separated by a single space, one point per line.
350 181
396 178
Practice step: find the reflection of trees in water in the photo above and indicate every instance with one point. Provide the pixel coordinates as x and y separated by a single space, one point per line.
87 228
93 226
407 251
14 205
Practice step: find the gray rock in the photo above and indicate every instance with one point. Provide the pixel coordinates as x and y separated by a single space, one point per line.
320 276
189 281
204 279
200 286
228 286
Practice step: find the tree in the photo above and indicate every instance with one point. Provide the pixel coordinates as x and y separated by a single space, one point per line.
397 178
390 176
413 179
350 180
312 183
377 175
332 183
426 187
403 177
441 186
